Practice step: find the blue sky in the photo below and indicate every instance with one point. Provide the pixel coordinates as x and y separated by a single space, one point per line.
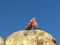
15 14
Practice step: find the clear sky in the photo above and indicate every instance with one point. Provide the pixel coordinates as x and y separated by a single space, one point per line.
15 14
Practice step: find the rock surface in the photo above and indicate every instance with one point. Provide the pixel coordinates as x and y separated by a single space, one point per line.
1 41
30 37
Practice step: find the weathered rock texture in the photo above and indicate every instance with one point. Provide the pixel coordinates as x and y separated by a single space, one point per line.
30 37
1 41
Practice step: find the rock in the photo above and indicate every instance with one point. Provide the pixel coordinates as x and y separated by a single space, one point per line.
1 41
30 37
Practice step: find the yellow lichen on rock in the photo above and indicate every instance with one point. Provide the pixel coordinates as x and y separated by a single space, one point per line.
30 37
